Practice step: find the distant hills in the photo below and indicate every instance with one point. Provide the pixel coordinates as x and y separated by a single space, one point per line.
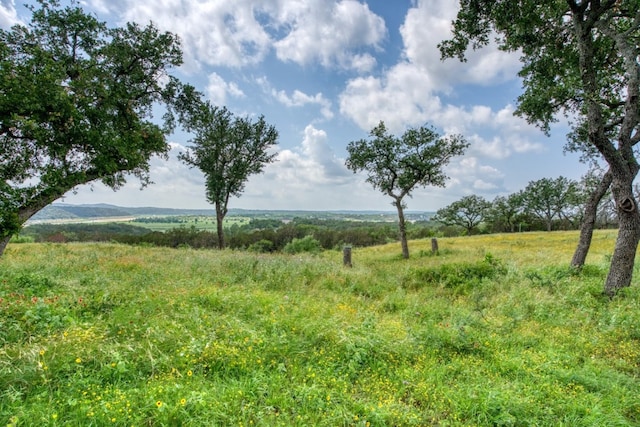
59 211
63 211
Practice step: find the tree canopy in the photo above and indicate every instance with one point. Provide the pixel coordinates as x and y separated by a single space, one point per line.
76 106
548 199
396 166
468 212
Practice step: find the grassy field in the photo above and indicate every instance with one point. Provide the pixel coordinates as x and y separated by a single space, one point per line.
493 331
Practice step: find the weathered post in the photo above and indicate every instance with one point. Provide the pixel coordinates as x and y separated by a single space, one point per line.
434 246
346 256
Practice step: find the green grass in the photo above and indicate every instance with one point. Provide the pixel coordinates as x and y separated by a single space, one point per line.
207 223
494 330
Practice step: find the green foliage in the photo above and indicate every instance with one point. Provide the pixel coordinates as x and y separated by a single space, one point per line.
122 335
461 277
262 246
468 212
395 166
330 233
77 96
548 199
306 244
579 58
227 150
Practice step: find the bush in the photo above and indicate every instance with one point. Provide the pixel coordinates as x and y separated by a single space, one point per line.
460 276
305 244
262 246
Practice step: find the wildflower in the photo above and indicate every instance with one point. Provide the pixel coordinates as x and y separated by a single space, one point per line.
183 401
189 373
159 403
42 352
78 360
54 416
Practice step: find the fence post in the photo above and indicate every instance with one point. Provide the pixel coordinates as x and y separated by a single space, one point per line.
346 256
434 246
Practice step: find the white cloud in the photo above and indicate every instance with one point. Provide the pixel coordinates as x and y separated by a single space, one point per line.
428 24
300 99
402 97
297 98
217 90
243 32
329 33
212 33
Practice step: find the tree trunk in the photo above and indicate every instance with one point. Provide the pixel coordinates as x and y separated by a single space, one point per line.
589 221
4 241
402 229
624 254
219 221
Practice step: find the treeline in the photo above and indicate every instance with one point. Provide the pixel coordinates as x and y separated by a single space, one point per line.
260 235
544 205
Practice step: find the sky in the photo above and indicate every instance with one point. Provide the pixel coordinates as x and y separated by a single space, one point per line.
324 73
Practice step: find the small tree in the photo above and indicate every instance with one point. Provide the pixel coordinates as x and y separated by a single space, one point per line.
76 98
395 166
227 150
467 212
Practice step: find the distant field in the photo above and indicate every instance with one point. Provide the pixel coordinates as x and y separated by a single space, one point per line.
199 222
495 330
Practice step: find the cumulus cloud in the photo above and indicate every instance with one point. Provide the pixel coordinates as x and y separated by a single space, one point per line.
244 32
309 175
297 98
429 23
218 89
330 33
401 97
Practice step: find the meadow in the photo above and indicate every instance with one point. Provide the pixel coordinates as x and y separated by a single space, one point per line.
494 330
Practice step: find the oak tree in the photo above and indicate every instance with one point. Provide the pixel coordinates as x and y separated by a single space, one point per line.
550 199
75 106
579 57
468 213
506 212
396 166
228 150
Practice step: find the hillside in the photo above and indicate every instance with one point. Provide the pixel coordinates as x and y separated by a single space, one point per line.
62 211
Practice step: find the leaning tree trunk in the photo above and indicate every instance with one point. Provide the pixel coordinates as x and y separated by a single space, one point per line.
4 241
589 221
402 228
622 261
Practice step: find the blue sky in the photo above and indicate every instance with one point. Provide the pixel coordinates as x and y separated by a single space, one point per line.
324 72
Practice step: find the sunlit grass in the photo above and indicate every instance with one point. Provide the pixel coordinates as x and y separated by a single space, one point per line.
493 330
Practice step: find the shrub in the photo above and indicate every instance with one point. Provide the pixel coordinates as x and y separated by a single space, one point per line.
262 246
305 244
458 276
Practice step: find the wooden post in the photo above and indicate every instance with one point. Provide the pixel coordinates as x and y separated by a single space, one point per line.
346 256
434 246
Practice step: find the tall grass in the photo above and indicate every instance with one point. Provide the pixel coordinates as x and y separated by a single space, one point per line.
493 330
